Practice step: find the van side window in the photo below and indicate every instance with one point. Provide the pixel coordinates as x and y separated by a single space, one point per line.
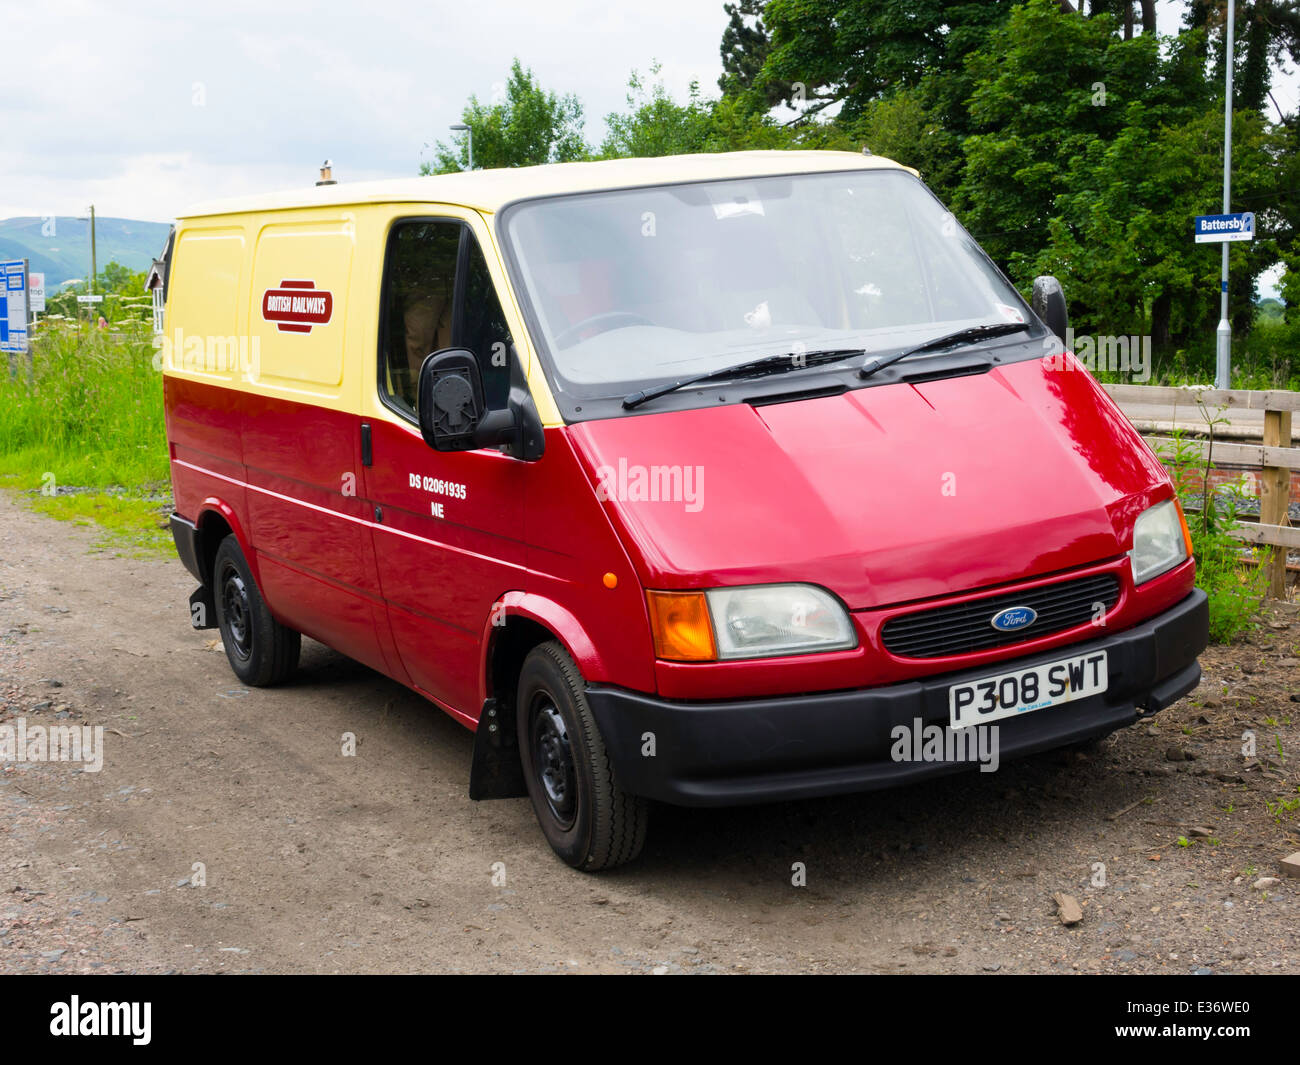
484 329
421 284
421 315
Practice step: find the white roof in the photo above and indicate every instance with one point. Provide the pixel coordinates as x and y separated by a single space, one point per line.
489 190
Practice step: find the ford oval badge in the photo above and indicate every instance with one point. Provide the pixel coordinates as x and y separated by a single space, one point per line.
1013 618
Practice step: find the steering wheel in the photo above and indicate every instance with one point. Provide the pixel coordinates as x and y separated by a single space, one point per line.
607 320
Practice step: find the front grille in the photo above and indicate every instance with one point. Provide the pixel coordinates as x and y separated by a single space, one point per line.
966 627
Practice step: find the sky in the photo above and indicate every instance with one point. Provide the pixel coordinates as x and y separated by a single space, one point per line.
148 109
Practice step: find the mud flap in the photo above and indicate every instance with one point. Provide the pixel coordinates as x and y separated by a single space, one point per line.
203 608
495 772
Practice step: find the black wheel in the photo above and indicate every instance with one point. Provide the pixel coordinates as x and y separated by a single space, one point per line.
260 649
586 817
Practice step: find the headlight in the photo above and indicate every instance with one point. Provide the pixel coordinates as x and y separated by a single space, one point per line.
778 619
1159 541
757 621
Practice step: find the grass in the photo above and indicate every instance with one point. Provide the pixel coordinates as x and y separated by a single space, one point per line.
1235 589
84 435
130 526
1265 358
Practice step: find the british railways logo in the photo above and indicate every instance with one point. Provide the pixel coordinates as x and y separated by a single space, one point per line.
296 306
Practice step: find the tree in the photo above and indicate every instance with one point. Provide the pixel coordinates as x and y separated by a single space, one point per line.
1121 241
121 280
654 123
851 52
1267 33
1091 154
1051 92
745 48
527 126
1122 11
1281 218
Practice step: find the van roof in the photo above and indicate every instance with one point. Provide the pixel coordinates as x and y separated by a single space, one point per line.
489 190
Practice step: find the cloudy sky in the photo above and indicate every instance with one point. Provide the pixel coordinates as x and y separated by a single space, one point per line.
161 105
151 107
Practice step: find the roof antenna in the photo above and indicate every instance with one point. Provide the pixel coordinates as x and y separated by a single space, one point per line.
326 174
866 150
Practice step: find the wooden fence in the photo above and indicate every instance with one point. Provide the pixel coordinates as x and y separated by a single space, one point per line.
1274 455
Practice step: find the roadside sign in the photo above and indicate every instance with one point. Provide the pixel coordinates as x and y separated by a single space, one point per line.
90 299
1218 228
36 293
13 310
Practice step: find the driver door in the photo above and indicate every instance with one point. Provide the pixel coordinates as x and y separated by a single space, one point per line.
448 527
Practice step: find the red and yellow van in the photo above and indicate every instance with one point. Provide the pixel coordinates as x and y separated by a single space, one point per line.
699 479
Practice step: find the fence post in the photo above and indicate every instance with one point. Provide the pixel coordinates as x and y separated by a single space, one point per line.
1275 495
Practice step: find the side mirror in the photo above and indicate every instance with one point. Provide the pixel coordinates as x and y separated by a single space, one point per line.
1048 302
451 400
454 414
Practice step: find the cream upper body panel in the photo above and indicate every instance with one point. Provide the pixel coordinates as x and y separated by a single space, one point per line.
490 190
224 267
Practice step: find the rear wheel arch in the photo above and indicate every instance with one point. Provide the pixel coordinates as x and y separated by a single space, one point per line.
217 520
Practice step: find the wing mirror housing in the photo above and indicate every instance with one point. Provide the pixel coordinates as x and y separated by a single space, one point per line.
1048 302
454 415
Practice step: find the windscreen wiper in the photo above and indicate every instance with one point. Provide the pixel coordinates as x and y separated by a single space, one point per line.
775 364
971 335
769 364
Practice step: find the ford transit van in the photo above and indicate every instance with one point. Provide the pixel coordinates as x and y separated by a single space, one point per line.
699 480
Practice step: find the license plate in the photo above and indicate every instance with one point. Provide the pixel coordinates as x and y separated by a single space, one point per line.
1023 690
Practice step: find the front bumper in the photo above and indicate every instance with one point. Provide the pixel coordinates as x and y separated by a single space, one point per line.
760 750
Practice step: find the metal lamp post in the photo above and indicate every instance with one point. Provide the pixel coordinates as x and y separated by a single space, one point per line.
1223 357
460 127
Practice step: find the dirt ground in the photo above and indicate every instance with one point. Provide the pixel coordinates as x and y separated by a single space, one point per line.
316 862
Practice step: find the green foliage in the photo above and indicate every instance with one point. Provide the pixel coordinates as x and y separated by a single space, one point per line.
1289 286
121 280
528 126
850 53
129 523
1120 241
907 128
1235 587
745 48
655 124
125 299
90 416
1051 93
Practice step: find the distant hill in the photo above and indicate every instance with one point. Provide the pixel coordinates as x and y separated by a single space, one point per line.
64 254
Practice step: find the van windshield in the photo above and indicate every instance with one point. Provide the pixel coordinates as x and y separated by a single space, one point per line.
642 286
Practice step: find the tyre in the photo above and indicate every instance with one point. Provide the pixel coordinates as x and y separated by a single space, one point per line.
261 650
586 817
